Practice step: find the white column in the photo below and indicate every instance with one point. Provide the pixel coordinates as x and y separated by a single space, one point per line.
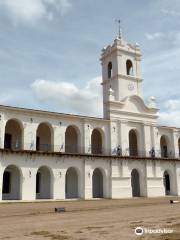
87 138
87 180
147 140
28 190
58 182
114 136
59 138
29 136
156 141
1 181
178 177
124 138
138 67
175 144
2 131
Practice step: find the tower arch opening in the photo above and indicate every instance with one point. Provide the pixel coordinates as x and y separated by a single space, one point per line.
109 68
129 68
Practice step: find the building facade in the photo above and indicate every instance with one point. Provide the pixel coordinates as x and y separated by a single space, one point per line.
47 155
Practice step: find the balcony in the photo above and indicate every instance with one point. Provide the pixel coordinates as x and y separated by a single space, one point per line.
94 151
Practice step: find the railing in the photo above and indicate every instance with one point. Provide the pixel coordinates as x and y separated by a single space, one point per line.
13 145
45 147
75 149
152 153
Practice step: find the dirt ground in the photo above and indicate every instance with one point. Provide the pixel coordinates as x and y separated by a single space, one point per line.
90 220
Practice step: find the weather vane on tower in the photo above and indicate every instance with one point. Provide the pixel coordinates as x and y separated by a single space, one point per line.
119 28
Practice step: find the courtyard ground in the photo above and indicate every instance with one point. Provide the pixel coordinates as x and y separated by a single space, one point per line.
89 220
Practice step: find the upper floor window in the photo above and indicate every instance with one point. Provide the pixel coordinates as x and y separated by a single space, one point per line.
13 135
96 142
129 68
133 143
164 146
44 137
109 69
72 135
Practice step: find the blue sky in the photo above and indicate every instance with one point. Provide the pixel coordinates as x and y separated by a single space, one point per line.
50 50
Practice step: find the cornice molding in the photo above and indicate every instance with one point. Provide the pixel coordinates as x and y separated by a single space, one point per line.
122 76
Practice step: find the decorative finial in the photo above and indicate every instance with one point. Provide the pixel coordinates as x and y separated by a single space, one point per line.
119 28
152 102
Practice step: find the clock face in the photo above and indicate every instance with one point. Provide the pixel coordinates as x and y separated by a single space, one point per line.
131 86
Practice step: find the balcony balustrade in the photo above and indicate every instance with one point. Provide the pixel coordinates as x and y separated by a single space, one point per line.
75 149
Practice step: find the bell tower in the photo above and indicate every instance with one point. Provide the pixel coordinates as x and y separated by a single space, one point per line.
121 72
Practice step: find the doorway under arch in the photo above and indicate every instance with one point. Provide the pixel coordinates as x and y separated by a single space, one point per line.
167 183
43 183
71 183
97 183
11 188
135 183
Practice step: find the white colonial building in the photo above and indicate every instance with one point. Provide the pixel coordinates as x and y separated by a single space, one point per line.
48 155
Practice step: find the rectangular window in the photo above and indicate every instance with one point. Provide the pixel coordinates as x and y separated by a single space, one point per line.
6 182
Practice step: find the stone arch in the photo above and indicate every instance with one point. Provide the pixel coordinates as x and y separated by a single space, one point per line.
164 145
97 138
43 183
97 183
13 138
72 183
109 68
135 183
44 137
133 143
12 183
72 139
129 67
179 146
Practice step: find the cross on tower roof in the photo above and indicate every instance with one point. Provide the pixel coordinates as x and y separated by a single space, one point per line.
119 28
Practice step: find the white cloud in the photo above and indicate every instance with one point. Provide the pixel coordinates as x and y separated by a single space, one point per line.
28 11
170 12
5 98
171 115
87 100
154 36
